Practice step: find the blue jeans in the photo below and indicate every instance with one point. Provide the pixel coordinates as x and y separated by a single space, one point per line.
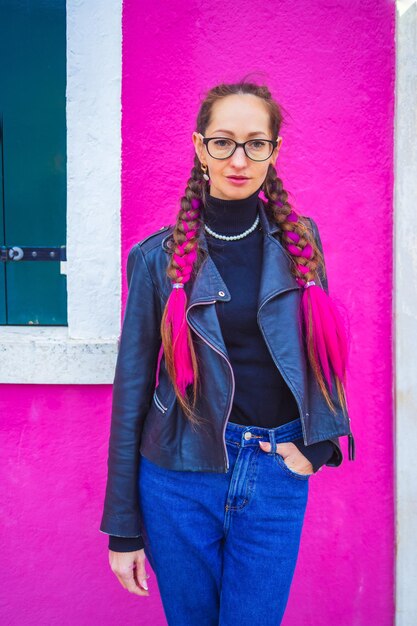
224 546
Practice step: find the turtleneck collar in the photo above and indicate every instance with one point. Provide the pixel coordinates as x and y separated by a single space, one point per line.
230 217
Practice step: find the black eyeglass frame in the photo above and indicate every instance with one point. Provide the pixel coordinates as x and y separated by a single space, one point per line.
206 141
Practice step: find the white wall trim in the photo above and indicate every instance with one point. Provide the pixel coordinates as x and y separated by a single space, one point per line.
84 352
405 311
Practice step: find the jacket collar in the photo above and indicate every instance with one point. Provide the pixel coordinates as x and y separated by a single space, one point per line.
276 276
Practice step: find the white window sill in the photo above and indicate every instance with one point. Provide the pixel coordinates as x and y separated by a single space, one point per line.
47 355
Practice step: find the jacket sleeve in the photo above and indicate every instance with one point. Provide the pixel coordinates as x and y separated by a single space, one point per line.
131 397
337 457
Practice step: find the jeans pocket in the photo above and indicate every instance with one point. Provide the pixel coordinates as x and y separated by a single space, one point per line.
279 460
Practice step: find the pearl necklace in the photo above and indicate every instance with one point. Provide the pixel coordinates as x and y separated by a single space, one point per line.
233 237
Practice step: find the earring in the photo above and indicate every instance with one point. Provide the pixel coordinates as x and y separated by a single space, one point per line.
205 175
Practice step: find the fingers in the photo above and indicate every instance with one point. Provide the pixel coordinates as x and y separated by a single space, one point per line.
291 456
134 583
129 569
265 445
282 448
140 575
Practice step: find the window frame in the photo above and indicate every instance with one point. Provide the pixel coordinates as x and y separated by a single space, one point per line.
85 351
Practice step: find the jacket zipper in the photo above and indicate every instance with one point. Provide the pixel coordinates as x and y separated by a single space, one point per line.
351 443
159 403
226 456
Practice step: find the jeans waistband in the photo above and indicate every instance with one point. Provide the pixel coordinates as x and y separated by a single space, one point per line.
250 435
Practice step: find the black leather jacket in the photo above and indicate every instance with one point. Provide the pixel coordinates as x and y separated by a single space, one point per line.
148 420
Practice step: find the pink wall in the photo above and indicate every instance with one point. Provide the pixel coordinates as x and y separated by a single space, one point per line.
331 64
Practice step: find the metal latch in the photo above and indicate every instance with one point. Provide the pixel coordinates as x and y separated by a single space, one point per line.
28 253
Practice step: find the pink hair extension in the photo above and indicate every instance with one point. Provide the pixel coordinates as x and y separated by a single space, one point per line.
263 197
330 344
161 351
176 306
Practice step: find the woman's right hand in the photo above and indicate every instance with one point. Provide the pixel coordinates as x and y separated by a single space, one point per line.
129 567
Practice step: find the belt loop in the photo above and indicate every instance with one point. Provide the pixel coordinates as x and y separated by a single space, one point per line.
272 440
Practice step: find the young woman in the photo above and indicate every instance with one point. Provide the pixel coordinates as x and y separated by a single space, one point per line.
229 390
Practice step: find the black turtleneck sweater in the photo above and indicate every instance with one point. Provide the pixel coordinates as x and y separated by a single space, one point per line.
240 263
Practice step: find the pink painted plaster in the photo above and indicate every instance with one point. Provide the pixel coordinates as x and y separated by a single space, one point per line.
331 64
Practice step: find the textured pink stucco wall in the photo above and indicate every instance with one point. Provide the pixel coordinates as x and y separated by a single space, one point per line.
331 64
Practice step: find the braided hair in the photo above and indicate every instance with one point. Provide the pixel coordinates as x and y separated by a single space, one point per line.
320 322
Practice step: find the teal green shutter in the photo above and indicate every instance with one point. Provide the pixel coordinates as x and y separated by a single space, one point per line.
33 181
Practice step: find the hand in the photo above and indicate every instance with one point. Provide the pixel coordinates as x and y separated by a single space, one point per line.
129 567
291 455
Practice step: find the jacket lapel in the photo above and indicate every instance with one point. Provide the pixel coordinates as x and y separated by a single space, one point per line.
279 311
276 275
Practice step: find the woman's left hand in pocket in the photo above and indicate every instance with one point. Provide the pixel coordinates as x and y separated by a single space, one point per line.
291 455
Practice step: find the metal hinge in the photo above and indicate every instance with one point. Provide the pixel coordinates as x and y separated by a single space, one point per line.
29 253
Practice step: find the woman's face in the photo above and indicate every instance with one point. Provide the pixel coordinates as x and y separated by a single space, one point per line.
236 117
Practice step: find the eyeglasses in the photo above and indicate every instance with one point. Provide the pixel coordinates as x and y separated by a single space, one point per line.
223 147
